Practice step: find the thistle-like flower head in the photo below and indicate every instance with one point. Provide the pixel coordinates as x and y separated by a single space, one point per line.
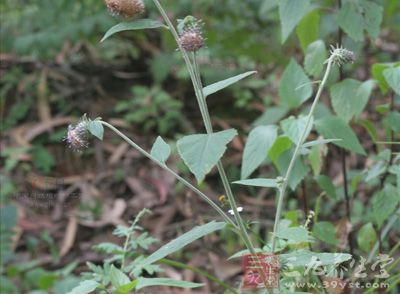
126 8
190 34
342 55
77 136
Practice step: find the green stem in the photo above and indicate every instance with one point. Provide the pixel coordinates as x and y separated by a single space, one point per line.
178 177
224 178
195 77
282 189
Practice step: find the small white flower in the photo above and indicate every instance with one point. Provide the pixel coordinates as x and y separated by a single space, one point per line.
240 209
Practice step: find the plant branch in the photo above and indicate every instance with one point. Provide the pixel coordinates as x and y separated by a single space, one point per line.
195 77
178 177
282 189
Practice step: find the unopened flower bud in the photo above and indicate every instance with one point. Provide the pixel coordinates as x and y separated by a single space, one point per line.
191 36
126 8
342 55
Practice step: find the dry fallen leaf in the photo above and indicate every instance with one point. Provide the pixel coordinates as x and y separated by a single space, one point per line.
69 236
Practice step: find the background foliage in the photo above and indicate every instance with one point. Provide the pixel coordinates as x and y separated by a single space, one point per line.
53 70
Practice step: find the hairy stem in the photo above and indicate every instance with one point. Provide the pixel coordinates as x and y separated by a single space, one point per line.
282 189
178 177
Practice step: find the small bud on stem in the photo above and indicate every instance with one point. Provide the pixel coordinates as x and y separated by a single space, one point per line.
342 55
191 36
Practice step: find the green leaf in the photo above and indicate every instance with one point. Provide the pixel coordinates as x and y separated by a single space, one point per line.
201 152
392 77
281 144
96 129
258 144
299 171
326 232
356 16
160 150
315 157
266 183
351 21
118 278
271 115
349 97
308 29
305 258
325 183
295 127
148 282
373 14
290 13
335 127
319 142
384 204
294 87
371 129
127 288
85 287
394 121
211 89
133 25
183 240
366 237
377 73
295 235
315 57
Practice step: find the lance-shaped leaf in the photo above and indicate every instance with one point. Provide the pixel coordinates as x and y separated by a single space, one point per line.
139 24
265 183
160 150
201 152
319 142
183 240
225 83
149 282
304 258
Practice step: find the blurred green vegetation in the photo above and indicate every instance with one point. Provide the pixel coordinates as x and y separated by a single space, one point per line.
53 66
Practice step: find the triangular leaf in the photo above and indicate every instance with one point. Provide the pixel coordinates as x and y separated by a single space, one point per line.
225 83
160 150
134 25
201 152
349 97
335 127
